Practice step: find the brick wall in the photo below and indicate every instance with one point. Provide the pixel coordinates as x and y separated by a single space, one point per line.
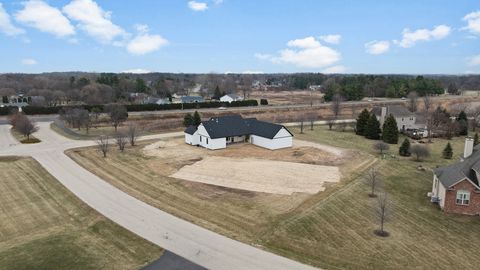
451 205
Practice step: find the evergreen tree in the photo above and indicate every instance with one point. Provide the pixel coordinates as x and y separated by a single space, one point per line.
197 120
362 122
475 139
447 152
217 94
372 130
404 149
390 130
188 120
463 124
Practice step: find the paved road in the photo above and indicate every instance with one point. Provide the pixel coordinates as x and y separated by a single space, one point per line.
192 242
171 261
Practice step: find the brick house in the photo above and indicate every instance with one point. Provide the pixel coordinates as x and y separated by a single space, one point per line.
456 187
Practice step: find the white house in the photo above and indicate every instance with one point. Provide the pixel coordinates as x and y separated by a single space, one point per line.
218 132
230 98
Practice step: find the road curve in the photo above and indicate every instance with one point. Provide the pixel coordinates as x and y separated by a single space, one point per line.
194 243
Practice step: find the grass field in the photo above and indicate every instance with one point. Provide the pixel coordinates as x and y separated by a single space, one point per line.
332 229
44 226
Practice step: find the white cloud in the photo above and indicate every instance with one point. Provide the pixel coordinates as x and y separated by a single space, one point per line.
335 69
197 6
6 25
473 22
377 47
409 38
332 39
94 20
252 72
45 18
474 60
136 71
28 62
145 43
306 53
217 2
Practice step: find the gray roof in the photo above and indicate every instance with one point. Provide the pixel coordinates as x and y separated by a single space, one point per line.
191 130
191 99
395 110
452 174
235 125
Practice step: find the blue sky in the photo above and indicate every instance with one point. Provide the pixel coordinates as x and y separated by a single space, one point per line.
421 36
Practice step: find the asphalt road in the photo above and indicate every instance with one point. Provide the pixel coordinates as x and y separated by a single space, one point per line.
192 242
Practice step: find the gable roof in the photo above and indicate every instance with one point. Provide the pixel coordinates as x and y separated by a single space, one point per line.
234 96
235 125
191 130
395 110
454 173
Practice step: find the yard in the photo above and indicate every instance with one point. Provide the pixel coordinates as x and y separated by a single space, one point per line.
332 229
44 226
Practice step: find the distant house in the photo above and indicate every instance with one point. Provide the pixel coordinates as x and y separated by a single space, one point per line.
230 98
159 101
218 132
191 99
405 119
456 187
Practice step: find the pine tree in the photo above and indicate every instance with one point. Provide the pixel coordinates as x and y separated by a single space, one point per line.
475 139
404 149
372 130
217 94
463 121
447 152
197 120
188 120
390 130
362 122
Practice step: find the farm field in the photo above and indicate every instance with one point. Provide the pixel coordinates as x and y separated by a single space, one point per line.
44 226
288 97
318 229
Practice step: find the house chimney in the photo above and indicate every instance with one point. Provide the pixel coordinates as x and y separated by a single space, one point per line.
383 115
468 150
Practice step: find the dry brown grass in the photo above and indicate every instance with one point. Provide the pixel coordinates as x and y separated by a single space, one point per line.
44 226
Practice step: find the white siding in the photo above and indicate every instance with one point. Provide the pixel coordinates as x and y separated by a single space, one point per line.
213 144
226 99
438 190
282 139
192 139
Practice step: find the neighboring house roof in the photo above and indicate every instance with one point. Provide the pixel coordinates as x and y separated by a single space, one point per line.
452 174
191 130
395 110
187 99
235 125
232 96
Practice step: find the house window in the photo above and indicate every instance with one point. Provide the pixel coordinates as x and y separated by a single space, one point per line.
207 140
463 197
200 138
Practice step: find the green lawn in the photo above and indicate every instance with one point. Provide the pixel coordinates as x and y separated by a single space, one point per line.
337 233
44 226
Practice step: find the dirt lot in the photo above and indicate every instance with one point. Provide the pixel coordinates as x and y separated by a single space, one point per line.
247 167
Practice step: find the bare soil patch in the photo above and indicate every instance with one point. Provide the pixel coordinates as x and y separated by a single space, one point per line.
278 177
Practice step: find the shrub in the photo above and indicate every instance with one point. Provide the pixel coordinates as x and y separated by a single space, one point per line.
404 149
263 101
419 151
447 152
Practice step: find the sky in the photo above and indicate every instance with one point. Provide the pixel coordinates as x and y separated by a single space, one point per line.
241 36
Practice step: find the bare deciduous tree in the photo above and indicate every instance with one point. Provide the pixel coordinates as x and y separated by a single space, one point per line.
381 147
22 124
419 151
117 113
373 179
103 144
335 107
412 101
383 213
121 140
132 133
